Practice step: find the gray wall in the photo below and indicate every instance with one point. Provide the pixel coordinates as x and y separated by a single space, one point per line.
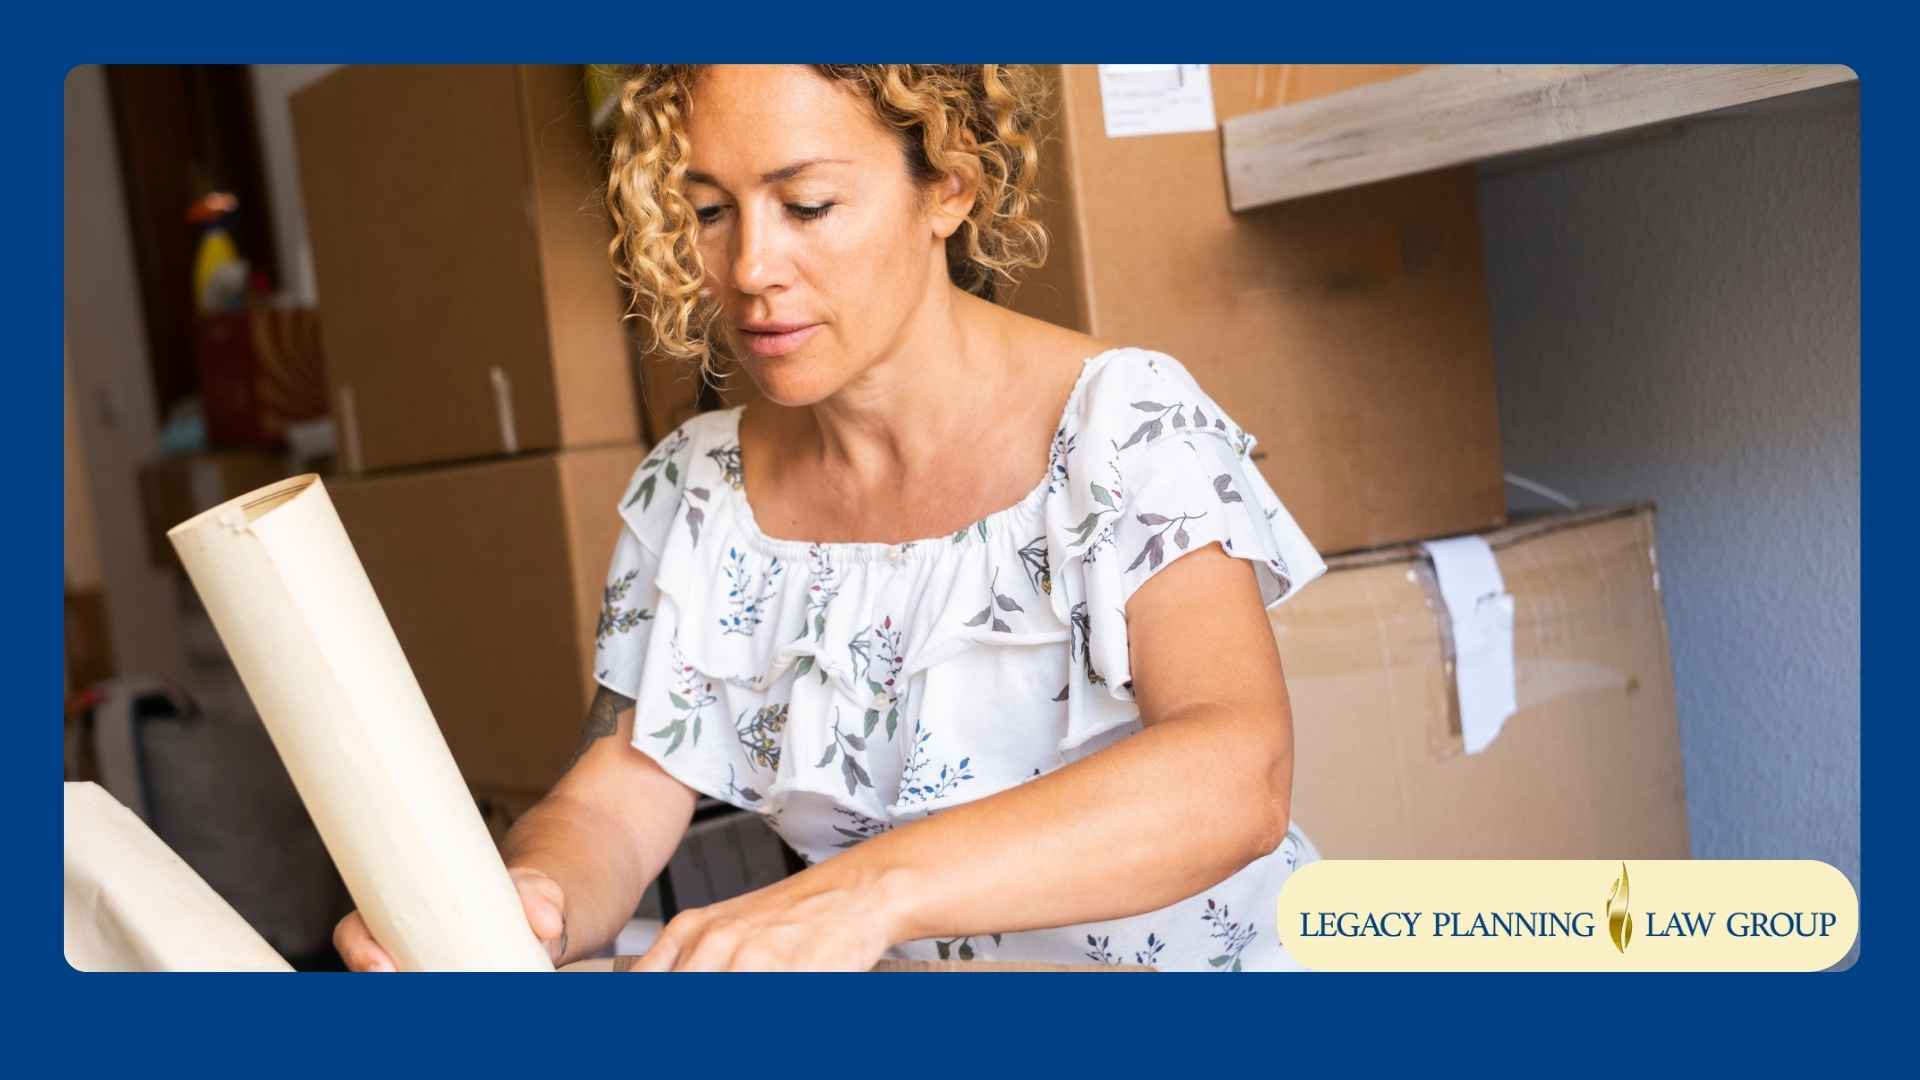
1679 318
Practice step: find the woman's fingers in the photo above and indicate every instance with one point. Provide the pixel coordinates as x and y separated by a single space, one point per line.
545 906
357 948
659 956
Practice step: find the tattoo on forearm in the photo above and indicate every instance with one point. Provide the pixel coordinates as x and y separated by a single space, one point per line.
603 716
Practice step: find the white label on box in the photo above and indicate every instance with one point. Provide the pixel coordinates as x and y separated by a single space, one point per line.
1156 99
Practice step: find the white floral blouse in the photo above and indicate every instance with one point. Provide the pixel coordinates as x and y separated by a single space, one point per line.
844 689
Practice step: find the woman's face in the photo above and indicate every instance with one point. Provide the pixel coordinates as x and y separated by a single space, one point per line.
818 244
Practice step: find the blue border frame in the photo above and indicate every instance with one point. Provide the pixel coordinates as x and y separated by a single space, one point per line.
945 1026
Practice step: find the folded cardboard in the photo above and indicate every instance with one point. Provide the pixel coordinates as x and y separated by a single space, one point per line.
468 304
1589 767
491 574
173 489
1349 332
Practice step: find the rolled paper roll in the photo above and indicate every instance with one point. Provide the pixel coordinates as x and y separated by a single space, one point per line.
134 905
297 615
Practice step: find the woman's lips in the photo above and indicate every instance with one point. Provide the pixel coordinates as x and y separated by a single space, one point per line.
780 343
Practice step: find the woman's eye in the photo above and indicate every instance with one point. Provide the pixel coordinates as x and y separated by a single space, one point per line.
809 213
709 214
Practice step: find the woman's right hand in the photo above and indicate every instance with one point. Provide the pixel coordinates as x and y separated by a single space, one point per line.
540 897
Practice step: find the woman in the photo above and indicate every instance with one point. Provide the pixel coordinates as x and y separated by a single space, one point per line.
972 608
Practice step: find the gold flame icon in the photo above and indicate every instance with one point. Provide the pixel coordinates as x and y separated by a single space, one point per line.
1619 919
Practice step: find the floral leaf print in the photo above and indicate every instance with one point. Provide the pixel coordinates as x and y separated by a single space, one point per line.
1151 429
759 731
746 793
1081 625
689 696
1148 431
615 619
1150 955
1110 499
747 597
661 460
965 951
1100 953
696 515
1223 487
1033 558
858 827
978 526
850 770
878 659
996 598
914 789
821 589
1057 468
728 459
1233 937
1154 551
1290 849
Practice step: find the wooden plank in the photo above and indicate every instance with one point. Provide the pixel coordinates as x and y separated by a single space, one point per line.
1454 114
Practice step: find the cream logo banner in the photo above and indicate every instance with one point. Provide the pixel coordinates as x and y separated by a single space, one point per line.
1540 915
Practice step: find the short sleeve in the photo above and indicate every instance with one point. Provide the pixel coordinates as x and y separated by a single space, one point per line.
647 510
1165 471
626 615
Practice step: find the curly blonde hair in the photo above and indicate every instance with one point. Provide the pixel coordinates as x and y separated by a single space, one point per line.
977 119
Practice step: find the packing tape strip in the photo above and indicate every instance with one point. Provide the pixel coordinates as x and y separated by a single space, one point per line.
1480 614
503 409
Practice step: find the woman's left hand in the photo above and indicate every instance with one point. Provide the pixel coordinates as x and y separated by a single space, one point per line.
804 923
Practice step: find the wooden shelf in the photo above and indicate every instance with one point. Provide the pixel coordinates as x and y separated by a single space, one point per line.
1455 114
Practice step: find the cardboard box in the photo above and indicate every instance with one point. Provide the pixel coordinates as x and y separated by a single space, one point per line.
1349 332
1588 768
492 574
468 304
173 489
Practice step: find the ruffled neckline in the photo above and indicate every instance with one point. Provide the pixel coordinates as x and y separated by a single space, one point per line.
1028 508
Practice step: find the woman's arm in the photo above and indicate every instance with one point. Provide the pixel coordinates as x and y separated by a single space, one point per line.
1151 820
603 833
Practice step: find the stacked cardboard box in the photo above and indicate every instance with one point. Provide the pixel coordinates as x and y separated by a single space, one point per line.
491 573
1588 768
482 382
467 305
1350 333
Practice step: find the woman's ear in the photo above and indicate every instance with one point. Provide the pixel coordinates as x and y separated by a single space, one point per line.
953 200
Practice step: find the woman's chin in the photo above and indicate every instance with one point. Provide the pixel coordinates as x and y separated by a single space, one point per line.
792 381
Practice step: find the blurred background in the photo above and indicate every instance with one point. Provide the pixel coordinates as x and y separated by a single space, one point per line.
1542 306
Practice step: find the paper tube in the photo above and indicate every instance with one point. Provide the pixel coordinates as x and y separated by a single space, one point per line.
134 905
294 608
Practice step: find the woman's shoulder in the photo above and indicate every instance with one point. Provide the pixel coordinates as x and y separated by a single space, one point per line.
678 467
1131 395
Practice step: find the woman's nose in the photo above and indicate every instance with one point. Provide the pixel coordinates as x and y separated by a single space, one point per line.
760 262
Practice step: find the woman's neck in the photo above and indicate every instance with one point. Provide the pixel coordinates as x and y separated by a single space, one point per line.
928 396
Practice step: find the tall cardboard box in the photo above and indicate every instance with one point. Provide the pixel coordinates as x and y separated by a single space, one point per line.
492 575
1349 332
467 303
1588 768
